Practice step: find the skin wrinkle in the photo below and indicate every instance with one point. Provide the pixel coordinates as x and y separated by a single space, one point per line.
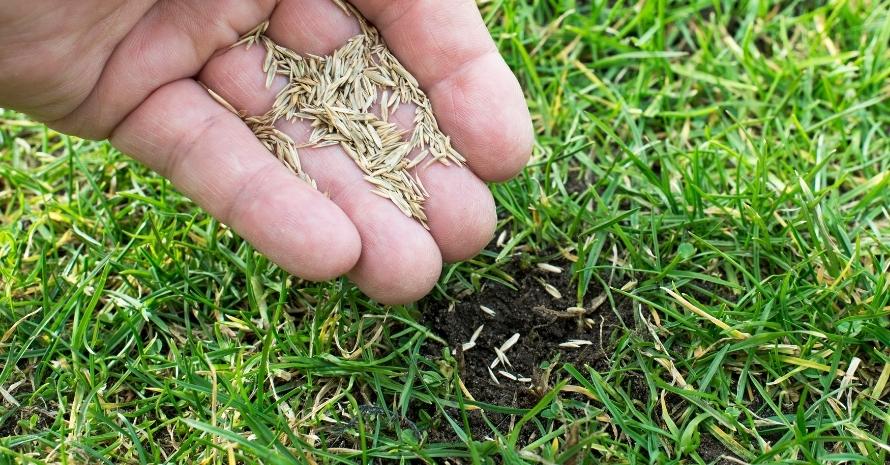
240 81
144 51
185 145
340 192
369 7
77 127
402 11
446 53
319 33
247 83
456 72
194 23
291 225
49 73
30 18
113 18
246 194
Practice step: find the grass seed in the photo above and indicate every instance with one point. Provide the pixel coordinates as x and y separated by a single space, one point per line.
509 343
549 268
493 377
336 94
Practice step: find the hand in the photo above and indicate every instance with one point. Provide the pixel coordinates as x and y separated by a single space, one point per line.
127 70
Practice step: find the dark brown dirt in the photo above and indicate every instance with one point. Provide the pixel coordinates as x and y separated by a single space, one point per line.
713 451
542 322
10 415
579 179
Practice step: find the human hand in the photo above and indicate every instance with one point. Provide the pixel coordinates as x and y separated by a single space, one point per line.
128 71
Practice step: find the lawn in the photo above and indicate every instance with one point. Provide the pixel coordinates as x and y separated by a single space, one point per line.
697 261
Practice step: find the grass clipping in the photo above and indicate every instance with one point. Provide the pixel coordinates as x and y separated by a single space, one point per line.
337 94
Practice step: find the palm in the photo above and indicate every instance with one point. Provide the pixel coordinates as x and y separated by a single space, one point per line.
133 81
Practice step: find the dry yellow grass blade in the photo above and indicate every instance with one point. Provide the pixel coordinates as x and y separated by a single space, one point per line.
736 334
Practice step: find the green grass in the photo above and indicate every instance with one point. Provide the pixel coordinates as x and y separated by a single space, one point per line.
734 155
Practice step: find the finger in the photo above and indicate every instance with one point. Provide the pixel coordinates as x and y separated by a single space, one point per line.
460 210
476 98
399 261
316 27
172 41
213 158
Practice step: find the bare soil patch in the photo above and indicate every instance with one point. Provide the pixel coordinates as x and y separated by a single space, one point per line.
542 322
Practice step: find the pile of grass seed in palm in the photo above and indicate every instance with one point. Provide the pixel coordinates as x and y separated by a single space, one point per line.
338 95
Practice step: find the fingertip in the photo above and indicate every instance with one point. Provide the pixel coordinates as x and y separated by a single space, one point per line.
512 149
337 248
461 210
297 227
484 111
404 285
233 75
397 270
311 26
482 233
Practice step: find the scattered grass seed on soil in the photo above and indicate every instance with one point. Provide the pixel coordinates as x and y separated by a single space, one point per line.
337 94
552 332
